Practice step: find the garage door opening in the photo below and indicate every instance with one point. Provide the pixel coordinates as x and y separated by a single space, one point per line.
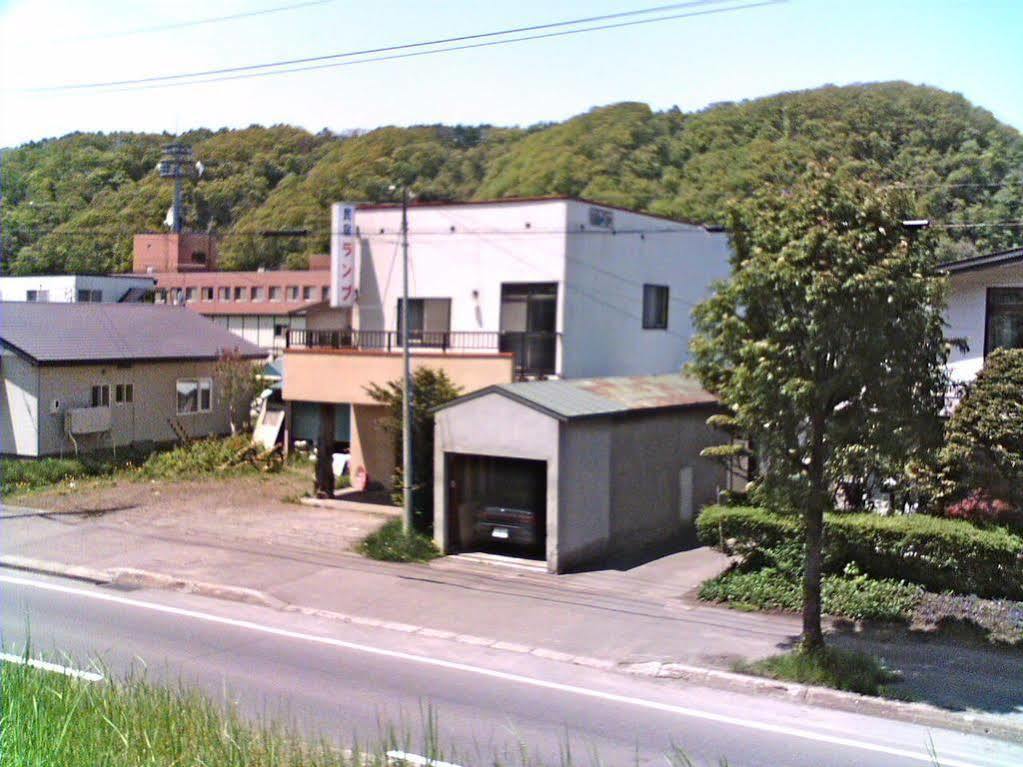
497 505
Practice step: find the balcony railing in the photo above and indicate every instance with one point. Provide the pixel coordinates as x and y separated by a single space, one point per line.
535 352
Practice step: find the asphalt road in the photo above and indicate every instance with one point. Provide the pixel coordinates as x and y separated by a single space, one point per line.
347 681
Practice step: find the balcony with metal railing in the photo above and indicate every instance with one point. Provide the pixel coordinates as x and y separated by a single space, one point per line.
535 353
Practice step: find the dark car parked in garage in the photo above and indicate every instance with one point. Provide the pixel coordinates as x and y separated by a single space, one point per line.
505 525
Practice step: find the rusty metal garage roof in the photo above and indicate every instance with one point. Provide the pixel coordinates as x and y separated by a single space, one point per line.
589 397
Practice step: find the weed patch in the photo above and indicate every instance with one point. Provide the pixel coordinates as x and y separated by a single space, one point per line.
826 667
391 544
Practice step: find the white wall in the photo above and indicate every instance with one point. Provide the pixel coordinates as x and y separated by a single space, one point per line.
63 288
259 328
606 272
465 253
966 314
19 406
490 244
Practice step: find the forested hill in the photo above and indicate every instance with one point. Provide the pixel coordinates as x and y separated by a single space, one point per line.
72 204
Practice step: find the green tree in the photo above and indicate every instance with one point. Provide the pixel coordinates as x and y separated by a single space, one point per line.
430 389
826 344
984 438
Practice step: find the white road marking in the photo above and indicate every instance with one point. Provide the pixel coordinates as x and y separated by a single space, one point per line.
90 676
406 758
775 729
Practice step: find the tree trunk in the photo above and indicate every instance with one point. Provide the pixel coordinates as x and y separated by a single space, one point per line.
813 523
813 518
325 453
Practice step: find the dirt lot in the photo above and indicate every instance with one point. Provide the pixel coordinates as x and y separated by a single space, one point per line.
242 509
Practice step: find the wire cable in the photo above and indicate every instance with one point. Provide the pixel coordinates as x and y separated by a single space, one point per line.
248 71
201 22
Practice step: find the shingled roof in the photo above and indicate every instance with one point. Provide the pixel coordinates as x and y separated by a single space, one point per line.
570 398
64 333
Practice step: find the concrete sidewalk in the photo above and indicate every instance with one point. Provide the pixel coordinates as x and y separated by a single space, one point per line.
637 619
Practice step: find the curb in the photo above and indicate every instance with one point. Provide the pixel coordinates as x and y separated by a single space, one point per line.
917 713
42 566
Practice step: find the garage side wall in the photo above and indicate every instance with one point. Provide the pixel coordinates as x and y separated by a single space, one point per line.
648 453
497 426
19 406
584 513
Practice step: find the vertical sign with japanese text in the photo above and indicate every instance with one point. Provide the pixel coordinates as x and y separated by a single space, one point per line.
342 255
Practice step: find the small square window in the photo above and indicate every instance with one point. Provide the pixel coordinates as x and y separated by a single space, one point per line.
239 294
256 294
292 293
307 293
190 294
224 294
324 293
275 293
207 294
124 394
655 307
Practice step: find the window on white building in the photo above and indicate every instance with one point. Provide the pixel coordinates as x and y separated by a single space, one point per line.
1004 327
40 296
195 395
655 307
429 320
90 296
101 395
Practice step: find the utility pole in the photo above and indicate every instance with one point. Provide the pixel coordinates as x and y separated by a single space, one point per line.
177 164
406 387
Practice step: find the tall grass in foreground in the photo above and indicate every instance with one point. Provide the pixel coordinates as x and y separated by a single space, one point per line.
57 721
54 720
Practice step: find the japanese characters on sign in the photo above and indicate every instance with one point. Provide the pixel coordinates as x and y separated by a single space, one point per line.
343 291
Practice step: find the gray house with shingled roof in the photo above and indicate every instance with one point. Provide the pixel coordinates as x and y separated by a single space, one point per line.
84 376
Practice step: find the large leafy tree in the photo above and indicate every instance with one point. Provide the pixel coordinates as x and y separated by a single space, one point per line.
826 344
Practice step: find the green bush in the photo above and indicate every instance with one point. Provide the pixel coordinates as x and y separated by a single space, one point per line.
205 456
856 597
826 667
984 437
391 544
938 554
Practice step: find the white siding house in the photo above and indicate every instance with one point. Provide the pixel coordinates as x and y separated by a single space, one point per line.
985 309
76 288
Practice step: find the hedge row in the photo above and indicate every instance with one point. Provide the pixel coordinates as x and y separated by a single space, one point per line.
939 554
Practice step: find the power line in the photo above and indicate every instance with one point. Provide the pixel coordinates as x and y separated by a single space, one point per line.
211 75
204 21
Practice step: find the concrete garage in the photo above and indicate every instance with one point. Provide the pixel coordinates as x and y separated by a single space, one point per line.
575 472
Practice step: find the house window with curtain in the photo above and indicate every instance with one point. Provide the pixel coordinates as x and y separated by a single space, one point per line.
1004 326
655 307
195 395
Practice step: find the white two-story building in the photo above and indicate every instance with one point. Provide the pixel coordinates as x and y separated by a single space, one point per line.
500 291
985 309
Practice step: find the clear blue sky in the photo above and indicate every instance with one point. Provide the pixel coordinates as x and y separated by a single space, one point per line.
974 47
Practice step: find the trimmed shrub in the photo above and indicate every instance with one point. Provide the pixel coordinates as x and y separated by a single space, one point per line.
938 554
856 597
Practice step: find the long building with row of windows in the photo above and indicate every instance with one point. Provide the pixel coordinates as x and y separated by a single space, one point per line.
259 306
